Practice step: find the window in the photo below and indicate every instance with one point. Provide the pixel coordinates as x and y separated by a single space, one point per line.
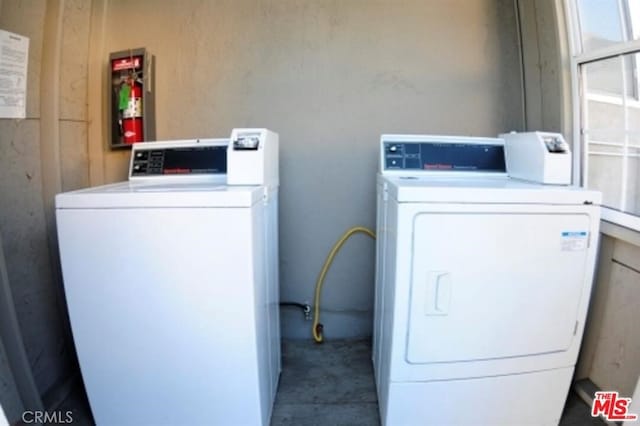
606 61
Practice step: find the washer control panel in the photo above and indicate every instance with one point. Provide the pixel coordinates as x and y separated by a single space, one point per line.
179 158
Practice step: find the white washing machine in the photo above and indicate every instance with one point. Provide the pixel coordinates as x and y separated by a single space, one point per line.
482 285
171 281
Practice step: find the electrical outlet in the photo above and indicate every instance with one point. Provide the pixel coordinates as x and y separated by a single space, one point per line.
307 311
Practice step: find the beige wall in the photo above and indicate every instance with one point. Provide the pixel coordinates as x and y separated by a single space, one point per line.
10 402
29 173
330 77
544 87
610 355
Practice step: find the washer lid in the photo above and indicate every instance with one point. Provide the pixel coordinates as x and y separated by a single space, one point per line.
154 194
484 190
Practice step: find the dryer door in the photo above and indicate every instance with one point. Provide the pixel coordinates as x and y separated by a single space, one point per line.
491 285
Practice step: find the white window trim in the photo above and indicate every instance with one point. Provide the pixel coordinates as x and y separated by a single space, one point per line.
619 218
579 58
611 51
611 99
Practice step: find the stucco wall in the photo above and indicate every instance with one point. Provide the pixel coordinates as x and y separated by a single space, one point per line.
329 77
26 217
610 355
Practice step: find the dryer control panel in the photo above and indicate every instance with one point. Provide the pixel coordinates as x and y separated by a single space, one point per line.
411 153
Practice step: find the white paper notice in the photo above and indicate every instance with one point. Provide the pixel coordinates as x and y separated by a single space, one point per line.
14 58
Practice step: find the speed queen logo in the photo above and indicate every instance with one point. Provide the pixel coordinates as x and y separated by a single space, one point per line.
612 407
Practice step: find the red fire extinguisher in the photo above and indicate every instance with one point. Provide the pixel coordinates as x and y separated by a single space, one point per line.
132 116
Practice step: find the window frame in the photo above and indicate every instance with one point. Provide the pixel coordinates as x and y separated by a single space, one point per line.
579 58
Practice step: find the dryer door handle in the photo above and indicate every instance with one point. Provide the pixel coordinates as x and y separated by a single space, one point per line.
438 294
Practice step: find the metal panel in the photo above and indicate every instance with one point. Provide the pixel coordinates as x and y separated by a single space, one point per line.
176 310
457 403
495 285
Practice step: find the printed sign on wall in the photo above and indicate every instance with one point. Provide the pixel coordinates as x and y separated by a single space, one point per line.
14 58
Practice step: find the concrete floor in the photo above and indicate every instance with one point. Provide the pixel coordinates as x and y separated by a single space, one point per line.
332 384
329 384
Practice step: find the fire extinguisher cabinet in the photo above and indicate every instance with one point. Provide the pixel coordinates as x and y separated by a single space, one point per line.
132 91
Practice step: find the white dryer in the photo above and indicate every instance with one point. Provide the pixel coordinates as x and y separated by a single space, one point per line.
482 285
171 282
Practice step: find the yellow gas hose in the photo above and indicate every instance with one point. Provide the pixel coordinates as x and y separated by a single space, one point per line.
317 327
